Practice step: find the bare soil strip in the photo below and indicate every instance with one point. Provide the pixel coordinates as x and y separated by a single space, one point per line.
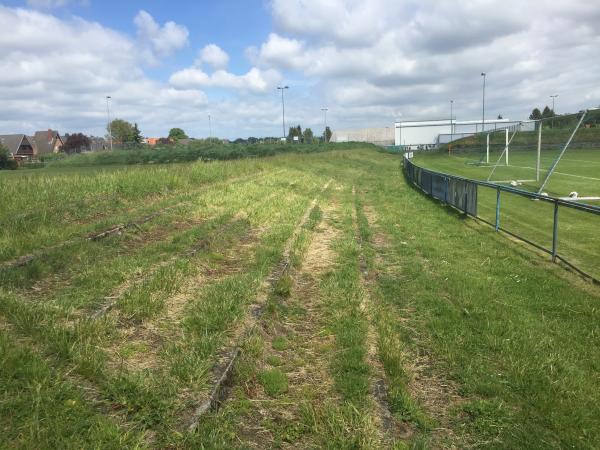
378 389
153 334
436 395
305 356
222 373
203 244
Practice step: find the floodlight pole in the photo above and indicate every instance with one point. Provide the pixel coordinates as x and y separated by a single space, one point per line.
108 97
562 152
451 128
282 88
487 149
506 142
483 74
539 152
553 113
325 121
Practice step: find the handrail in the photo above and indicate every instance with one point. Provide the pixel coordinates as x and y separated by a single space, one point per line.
546 198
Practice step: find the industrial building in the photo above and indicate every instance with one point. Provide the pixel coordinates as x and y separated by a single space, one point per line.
424 134
378 136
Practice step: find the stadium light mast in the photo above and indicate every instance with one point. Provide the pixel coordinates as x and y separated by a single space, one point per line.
108 97
483 74
451 114
553 113
325 121
282 88
553 97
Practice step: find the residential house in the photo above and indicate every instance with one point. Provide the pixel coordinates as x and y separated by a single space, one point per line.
19 146
151 140
45 142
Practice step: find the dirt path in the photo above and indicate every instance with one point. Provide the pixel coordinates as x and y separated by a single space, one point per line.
435 395
296 351
391 428
221 377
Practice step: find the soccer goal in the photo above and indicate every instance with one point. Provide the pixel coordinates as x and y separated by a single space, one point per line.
557 156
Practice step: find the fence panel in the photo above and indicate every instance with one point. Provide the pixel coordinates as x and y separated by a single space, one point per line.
566 230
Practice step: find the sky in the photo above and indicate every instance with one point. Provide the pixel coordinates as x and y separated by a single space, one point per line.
173 63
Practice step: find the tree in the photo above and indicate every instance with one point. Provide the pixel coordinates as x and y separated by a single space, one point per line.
122 131
328 134
295 132
137 135
177 133
535 114
308 136
547 113
6 162
76 143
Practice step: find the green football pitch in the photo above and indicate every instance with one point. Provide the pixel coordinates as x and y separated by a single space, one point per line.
578 170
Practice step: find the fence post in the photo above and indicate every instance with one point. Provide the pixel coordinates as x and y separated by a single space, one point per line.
446 189
555 233
497 209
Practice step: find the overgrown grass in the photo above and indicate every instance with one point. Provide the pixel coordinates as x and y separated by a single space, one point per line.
191 153
483 342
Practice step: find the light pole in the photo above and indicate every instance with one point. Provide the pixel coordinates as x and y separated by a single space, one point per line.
108 97
483 74
451 127
209 128
553 113
553 97
282 88
325 121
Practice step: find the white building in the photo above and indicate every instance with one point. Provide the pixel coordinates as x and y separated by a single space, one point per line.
415 134
377 136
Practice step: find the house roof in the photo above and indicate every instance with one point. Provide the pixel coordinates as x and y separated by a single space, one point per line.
12 142
43 144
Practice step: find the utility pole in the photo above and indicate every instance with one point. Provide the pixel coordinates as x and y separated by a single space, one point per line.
325 121
483 74
282 88
108 97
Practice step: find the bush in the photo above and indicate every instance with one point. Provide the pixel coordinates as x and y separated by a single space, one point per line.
6 162
195 151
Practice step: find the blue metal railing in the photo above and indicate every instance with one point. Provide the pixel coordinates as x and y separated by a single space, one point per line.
462 193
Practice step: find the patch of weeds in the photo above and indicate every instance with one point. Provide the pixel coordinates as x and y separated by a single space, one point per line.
275 361
283 287
274 382
485 416
280 343
314 218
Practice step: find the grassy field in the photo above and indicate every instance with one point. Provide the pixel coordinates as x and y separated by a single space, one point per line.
298 301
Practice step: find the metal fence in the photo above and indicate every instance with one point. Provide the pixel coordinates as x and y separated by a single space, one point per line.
527 215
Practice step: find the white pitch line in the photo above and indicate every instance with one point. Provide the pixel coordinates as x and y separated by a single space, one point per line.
560 173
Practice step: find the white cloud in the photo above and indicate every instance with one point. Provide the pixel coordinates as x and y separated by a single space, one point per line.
213 55
59 76
160 41
255 80
412 56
